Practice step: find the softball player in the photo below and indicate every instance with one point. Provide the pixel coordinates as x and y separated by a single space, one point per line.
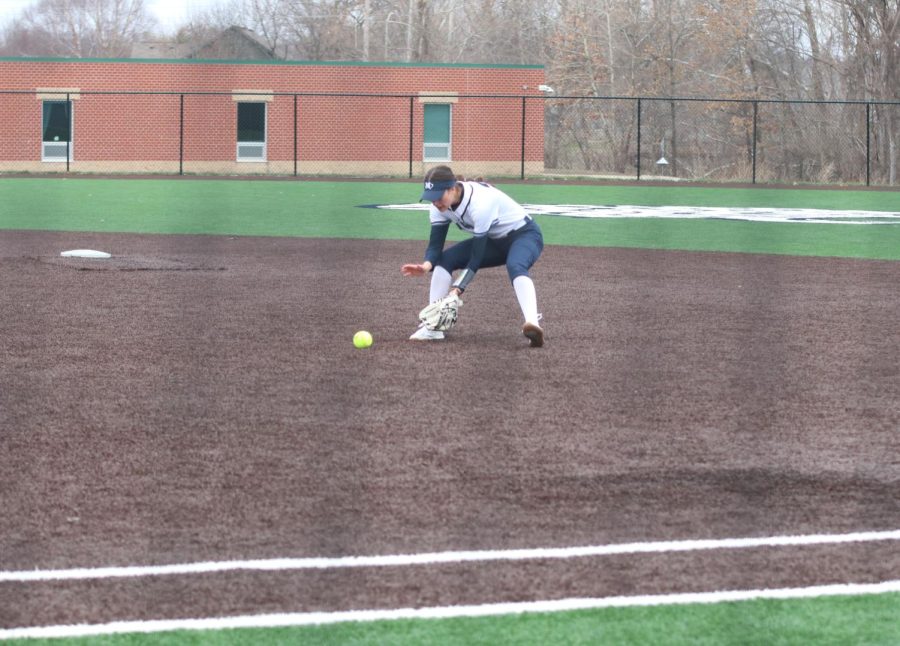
502 234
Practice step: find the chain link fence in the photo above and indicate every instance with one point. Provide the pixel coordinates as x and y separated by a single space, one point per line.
528 137
780 142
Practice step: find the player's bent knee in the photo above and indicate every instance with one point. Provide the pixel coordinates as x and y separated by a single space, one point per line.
514 272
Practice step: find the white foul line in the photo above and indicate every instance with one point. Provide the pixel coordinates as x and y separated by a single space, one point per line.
323 563
442 612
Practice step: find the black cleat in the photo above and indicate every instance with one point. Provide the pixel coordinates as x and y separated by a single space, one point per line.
534 334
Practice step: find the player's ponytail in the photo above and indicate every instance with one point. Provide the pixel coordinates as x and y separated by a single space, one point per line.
446 174
440 174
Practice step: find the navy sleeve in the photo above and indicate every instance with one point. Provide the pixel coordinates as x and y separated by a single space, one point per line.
436 243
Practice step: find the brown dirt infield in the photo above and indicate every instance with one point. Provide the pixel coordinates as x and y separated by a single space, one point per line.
198 398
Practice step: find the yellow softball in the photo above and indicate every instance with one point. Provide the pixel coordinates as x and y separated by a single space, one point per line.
362 339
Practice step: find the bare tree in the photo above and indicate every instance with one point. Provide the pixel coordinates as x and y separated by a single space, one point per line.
493 32
79 28
321 29
874 41
204 25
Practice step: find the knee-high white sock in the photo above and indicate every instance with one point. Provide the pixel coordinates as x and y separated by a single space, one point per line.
527 298
440 284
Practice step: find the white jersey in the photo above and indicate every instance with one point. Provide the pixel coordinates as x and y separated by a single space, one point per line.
483 211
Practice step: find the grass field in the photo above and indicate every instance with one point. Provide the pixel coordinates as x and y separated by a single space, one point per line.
823 622
330 209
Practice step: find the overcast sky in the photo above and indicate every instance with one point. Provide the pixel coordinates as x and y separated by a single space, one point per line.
169 13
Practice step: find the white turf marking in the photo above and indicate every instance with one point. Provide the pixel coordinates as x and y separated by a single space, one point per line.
748 214
444 612
322 563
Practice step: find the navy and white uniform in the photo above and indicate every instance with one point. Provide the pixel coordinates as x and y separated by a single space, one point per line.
502 234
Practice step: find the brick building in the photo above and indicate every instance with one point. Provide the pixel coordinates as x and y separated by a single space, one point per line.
268 117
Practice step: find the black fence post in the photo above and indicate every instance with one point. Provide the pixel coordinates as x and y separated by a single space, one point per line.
638 139
70 128
295 135
755 117
181 137
411 112
522 171
868 143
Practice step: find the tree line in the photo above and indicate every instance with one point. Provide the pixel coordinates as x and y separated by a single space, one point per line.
786 49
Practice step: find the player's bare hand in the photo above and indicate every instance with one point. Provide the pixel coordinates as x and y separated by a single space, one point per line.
415 269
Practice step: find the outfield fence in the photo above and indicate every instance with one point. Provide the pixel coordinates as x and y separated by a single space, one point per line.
381 135
747 141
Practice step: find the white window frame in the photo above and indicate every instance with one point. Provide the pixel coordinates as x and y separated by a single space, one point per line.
264 143
58 159
442 147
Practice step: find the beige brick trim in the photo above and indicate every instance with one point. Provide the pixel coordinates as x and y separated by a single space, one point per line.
438 97
57 93
253 95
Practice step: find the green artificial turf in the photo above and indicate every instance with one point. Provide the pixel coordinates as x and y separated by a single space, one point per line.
829 621
332 209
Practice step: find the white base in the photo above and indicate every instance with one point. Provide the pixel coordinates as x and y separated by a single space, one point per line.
85 253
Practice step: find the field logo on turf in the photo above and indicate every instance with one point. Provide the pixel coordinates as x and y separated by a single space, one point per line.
746 214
